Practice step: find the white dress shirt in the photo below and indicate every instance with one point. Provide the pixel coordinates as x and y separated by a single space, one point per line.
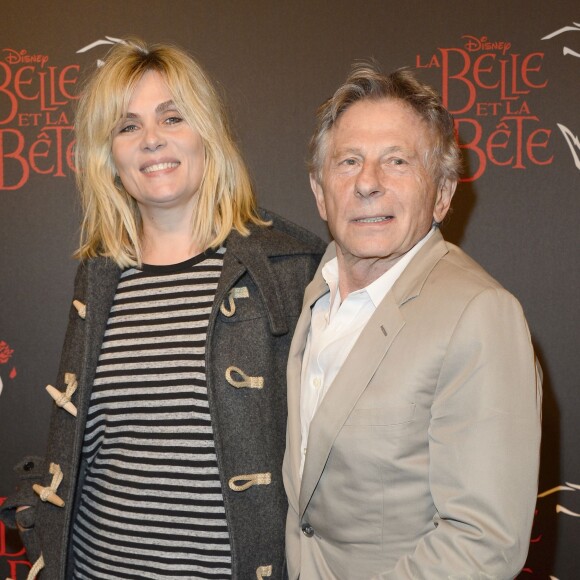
334 329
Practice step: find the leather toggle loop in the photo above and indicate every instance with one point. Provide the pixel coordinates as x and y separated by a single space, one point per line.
63 400
245 382
263 572
249 481
35 569
49 493
234 293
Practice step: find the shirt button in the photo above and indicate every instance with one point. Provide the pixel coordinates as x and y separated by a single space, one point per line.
304 451
316 382
307 530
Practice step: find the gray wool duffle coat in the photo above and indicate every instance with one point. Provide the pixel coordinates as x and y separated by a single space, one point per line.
251 333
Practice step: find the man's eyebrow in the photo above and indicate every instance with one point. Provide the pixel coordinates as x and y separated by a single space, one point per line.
359 149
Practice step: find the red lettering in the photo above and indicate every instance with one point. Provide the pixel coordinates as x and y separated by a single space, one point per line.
481 109
19 82
58 131
43 94
53 86
531 144
526 69
44 146
13 566
433 63
459 76
16 155
3 541
478 69
11 98
499 139
49 154
63 81
473 145
519 123
511 76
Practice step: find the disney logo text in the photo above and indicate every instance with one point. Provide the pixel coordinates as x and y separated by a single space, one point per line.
474 44
22 56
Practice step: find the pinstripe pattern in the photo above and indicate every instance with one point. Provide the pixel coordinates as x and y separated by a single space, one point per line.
152 505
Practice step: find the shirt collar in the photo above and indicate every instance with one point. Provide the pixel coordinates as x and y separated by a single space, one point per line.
378 289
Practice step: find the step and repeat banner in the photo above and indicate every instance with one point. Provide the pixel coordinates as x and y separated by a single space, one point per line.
509 72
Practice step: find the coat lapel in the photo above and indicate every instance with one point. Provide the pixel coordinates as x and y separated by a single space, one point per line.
358 368
103 277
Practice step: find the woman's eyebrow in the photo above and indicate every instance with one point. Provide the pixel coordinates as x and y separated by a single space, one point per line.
162 107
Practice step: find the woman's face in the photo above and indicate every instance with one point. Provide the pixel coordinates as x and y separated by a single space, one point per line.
158 156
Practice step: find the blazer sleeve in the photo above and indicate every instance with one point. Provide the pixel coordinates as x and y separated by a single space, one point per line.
484 439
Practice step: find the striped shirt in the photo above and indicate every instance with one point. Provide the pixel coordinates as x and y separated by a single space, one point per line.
151 504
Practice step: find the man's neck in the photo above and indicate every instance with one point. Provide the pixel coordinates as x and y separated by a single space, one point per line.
355 274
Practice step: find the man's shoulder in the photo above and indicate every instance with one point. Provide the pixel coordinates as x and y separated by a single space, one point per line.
459 267
445 273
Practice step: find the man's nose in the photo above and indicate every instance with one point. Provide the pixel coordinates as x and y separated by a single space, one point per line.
368 181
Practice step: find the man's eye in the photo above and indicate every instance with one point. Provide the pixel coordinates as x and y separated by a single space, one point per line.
349 162
398 161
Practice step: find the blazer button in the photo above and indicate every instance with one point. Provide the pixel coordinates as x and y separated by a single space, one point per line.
307 530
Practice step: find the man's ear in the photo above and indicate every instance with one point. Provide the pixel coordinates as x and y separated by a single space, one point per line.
443 199
318 195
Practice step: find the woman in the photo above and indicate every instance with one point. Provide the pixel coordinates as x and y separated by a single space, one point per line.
167 436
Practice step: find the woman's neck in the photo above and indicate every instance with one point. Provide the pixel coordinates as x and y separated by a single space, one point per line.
165 243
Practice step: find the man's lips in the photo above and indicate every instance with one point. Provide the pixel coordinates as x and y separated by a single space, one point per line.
161 166
373 220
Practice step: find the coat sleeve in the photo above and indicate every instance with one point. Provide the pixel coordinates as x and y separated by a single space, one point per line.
33 469
484 439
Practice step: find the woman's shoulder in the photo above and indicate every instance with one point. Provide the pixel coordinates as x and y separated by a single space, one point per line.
285 236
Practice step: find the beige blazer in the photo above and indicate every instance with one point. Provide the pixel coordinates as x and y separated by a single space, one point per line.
422 459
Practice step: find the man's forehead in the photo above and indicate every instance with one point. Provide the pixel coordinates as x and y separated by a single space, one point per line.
371 119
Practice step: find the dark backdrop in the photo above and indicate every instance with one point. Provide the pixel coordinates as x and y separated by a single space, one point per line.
508 70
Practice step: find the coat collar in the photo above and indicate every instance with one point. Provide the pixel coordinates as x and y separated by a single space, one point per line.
372 346
253 253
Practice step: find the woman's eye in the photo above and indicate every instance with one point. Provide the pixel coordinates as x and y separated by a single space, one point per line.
129 128
173 120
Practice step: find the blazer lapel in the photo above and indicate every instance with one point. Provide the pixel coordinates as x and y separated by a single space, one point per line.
359 367
292 458
348 386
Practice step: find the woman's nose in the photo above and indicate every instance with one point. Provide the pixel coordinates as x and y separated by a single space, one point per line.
152 138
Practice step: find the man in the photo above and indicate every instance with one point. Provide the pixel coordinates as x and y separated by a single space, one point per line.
414 397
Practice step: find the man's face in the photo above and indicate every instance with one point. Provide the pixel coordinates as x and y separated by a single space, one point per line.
376 193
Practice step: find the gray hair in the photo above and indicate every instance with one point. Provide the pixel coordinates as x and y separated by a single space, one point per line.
367 82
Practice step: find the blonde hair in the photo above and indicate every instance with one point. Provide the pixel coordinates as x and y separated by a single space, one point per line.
112 225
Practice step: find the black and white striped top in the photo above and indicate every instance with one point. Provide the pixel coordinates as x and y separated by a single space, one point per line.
151 505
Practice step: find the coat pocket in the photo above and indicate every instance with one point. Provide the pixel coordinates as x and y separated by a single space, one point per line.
25 519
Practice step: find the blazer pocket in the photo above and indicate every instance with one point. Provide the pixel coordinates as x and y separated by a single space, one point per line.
392 415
